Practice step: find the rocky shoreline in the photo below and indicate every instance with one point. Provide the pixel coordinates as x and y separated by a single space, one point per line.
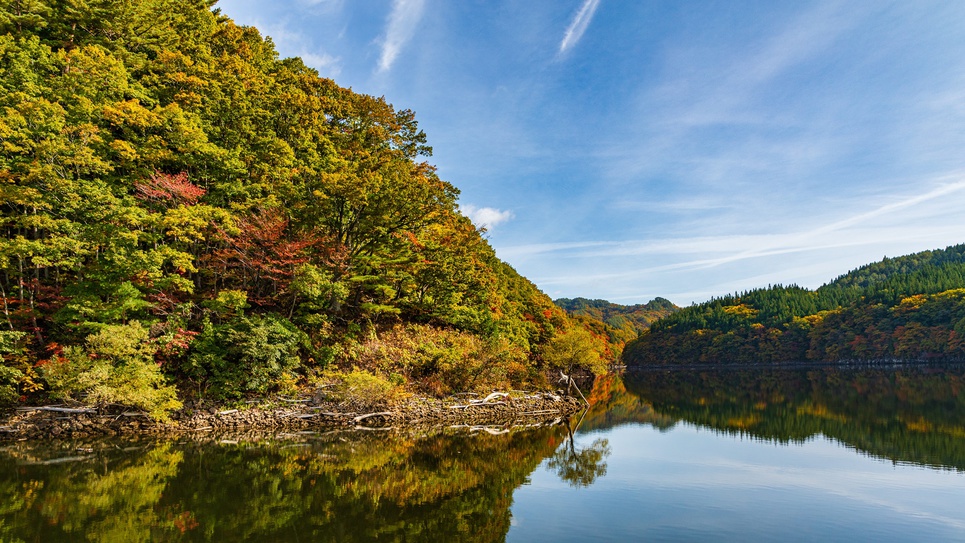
281 414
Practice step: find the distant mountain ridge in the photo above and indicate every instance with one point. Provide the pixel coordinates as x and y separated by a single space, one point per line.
639 316
618 324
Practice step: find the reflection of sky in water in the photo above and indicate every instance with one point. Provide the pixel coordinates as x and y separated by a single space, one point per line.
694 484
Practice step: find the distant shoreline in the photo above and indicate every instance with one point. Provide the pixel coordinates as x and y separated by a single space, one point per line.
844 364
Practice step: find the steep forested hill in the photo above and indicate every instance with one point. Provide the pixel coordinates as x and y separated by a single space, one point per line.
180 205
620 323
906 307
636 317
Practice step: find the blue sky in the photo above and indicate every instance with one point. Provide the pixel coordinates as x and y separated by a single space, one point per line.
625 149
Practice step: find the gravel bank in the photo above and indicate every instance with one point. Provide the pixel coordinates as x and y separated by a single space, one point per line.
287 414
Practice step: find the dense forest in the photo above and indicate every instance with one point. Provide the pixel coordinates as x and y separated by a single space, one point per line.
184 212
619 323
911 307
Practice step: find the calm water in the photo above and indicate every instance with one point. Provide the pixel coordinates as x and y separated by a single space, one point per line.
804 455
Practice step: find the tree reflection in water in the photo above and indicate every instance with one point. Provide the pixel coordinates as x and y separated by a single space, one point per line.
580 468
446 485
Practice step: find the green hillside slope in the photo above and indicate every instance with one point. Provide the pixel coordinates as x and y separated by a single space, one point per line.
906 307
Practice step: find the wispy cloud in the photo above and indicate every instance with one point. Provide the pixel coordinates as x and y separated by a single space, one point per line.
844 232
401 26
704 92
325 5
578 25
807 255
486 217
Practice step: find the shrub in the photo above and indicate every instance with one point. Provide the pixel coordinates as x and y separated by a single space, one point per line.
442 361
247 355
9 376
364 388
116 366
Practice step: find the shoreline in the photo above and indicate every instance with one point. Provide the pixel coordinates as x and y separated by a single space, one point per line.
885 363
286 414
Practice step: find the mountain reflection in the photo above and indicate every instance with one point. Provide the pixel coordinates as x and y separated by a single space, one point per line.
910 414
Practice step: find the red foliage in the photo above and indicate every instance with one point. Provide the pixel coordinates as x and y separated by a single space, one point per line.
174 346
168 189
262 259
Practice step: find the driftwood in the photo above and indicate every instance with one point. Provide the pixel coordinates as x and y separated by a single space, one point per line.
331 414
570 383
71 410
227 411
488 400
360 418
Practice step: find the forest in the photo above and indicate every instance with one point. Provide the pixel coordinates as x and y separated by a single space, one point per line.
186 213
909 308
620 324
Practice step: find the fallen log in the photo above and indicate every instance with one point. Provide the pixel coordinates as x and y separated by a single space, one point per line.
70 410
331 414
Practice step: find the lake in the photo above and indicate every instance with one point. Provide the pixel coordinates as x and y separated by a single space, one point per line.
856 454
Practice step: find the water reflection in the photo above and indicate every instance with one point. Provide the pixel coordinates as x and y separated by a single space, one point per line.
909 414
450 486
459 485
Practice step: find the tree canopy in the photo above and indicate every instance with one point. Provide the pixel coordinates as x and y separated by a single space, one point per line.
164 168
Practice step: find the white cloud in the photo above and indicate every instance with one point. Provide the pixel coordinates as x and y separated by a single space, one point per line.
327 65
486 217
401 26
292 43
578 25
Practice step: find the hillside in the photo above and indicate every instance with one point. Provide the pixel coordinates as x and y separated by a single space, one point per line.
906 307
620 324
185 212
636 317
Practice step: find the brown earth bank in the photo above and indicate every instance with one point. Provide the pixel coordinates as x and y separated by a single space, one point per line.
286 414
